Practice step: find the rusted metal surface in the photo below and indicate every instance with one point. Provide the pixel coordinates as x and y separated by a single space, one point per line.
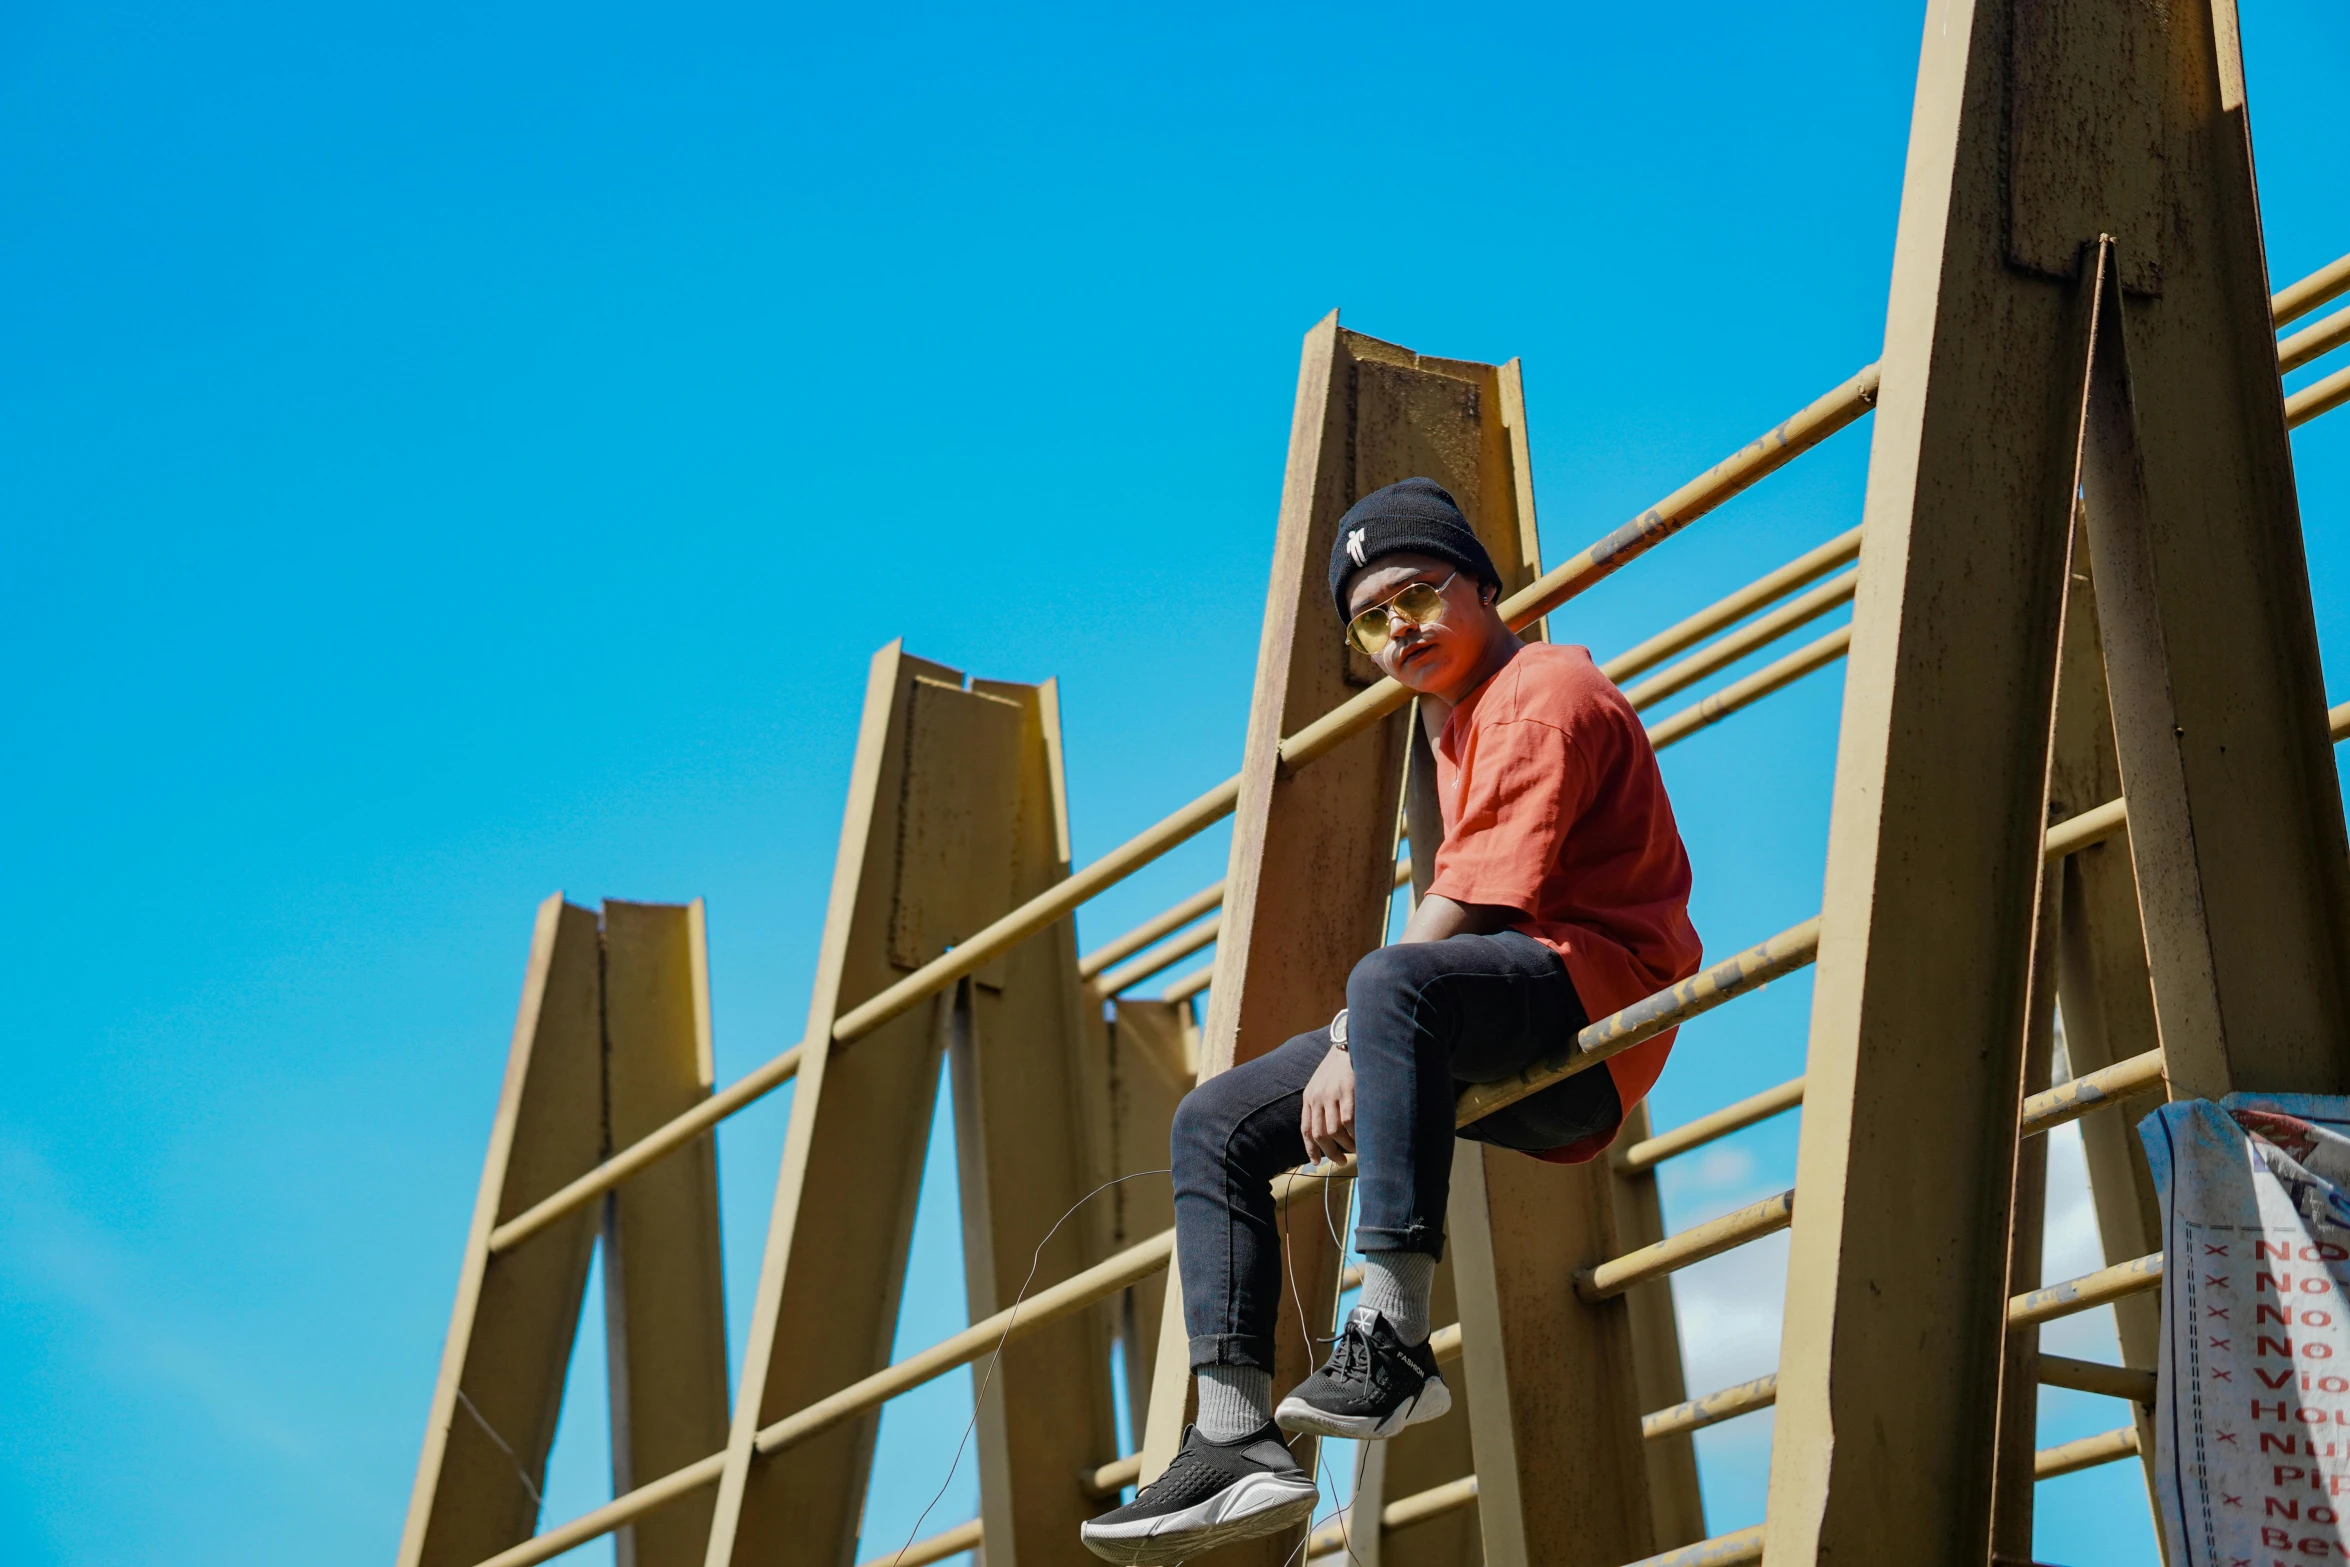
1692 1245
2087 1292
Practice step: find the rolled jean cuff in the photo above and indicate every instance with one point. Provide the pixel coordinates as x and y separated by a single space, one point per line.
1417 1236
1232 1349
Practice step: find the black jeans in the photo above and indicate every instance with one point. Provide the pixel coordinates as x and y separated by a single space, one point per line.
1422 1020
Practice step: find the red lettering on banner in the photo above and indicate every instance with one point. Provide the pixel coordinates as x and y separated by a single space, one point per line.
2276 1381
2317 1286
2276 1539
2278 1474
2280 1406
2270 1443
2281 1250
2324 1251
2278 1313
2275 1346
2278 1507
2282 1283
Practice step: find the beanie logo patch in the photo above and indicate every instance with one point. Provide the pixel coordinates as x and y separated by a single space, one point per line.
1354 545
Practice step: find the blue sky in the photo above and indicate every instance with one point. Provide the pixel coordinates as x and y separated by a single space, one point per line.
456 452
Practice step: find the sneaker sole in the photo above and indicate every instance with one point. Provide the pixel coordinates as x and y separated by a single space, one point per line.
1432 1402
1247 1509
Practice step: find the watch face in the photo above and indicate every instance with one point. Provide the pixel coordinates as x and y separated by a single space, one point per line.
1338 1029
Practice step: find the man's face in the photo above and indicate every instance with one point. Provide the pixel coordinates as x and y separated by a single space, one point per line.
1441 656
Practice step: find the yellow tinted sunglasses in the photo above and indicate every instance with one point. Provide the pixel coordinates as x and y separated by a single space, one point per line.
1419 603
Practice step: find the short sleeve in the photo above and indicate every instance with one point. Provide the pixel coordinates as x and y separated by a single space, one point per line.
1521 793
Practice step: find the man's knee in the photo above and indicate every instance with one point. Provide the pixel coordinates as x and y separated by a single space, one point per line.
1386 974
1204 1123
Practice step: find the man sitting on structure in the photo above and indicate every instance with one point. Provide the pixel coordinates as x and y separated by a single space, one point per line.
1561 893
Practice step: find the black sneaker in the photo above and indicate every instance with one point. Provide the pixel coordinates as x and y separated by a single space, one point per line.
1212 1494
1372 1386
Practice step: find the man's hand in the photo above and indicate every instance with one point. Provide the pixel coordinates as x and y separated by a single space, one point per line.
1328 1117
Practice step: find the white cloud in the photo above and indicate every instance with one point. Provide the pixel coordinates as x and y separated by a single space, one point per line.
132 1331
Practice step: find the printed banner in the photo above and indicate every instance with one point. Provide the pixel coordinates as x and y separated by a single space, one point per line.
2252 1426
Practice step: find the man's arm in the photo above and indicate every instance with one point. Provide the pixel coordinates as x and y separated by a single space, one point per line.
1438 917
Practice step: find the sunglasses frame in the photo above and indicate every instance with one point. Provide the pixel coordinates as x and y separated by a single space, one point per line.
1388 614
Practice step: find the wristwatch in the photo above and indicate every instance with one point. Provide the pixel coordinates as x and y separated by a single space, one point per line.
1338 1030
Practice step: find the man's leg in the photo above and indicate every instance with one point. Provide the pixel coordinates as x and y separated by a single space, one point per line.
1232 1135
1418 1015
1422 1018
1233 1478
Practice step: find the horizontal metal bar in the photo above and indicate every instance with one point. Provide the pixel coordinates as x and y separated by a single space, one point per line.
1128 975
1156 928
1431 1503
2095 1376
654 1145
2087 1376
1801 610
2042 1111
1757 460
1689 1246
1712 1408
1768 588
2087 1453
2309 342
921 1553
1652 1151
1745 1546
1070 1296
2296 300
1115 1476
2318 397
1791 949
1772 1214
2095 825
2091 1090
2087 1292
1434 1502
1189 985
618 1511
1745 693
1736 1549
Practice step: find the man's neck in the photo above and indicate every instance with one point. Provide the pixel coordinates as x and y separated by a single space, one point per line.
1500 648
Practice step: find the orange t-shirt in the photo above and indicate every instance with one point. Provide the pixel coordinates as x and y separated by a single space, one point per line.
1553 805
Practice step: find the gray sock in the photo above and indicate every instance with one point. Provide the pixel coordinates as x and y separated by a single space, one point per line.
1396 1285
1233 1401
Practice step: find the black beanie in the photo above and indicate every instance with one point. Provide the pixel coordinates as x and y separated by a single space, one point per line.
1415 515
